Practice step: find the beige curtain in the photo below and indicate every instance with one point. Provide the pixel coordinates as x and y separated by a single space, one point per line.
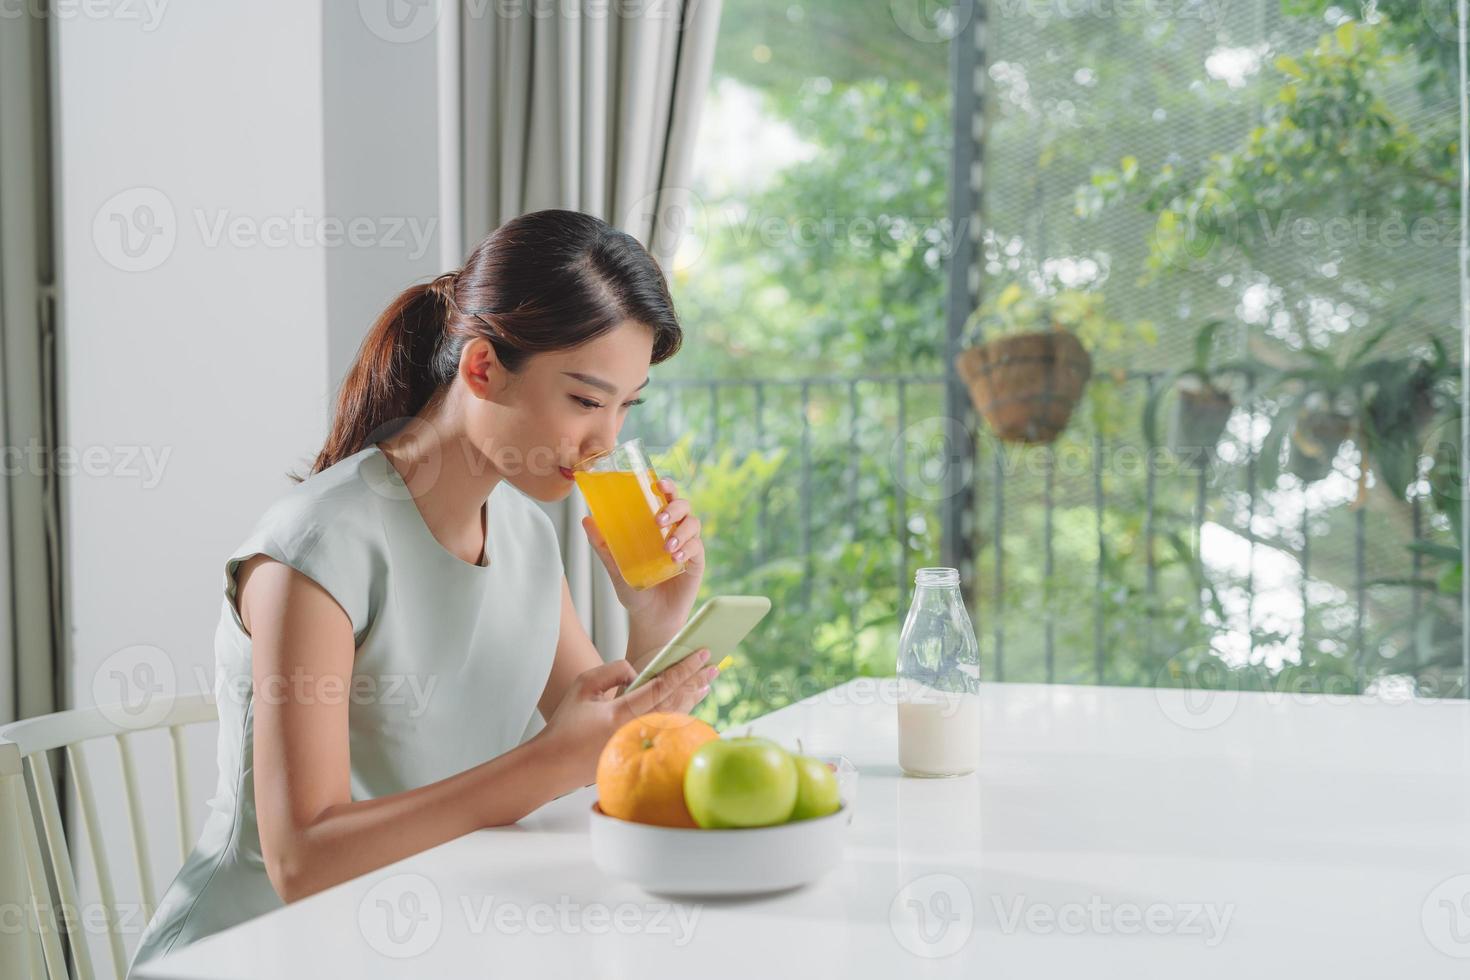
30 572
576 105
32 630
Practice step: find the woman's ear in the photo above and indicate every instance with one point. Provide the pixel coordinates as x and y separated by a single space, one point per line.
480 368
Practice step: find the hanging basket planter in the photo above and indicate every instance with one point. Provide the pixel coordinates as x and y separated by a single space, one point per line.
1026 386
1315 439
1200 416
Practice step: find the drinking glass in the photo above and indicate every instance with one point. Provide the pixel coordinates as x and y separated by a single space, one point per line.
622 493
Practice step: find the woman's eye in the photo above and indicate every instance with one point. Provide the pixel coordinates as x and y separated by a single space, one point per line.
592 405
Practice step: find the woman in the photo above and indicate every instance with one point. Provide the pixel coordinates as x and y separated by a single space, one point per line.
393 621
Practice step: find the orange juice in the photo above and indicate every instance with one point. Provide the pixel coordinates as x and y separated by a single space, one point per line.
623 503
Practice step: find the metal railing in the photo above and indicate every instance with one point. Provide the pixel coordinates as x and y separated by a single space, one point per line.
867 414
708 406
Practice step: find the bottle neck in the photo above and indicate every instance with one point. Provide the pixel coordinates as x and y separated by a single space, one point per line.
934 596
937 578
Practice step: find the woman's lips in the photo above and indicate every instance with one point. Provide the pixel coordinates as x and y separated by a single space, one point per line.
565 472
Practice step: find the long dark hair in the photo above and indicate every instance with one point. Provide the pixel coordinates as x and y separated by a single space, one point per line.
545 281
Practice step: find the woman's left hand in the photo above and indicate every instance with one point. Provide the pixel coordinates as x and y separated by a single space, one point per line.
655 614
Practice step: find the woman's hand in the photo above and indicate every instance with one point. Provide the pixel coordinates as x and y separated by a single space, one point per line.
656 614
593 709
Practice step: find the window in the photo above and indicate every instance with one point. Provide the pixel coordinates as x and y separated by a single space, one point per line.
1247 214
812 284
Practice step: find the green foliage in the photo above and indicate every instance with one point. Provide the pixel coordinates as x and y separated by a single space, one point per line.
1203 370
838 264
1427 28
1016 309
837 614
724 484
792 283
1329 143
1389 401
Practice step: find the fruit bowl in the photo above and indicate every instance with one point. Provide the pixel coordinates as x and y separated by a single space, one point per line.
696 862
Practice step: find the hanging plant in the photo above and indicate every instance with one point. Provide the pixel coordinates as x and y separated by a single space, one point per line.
1385 404
1405 399
1316 436
1027 359
1203 406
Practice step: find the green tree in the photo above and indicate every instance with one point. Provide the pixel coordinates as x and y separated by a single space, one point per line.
1171 164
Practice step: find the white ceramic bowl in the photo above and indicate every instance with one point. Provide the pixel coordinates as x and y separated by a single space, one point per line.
692 862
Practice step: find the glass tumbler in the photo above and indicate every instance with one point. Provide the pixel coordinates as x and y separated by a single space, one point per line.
622 493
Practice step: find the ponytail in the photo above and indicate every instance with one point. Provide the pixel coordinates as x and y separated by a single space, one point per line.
545 281
396 372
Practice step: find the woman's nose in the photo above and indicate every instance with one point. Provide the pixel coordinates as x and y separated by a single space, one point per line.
596 447
607 437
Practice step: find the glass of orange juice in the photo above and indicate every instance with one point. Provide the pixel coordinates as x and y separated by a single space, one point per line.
622 493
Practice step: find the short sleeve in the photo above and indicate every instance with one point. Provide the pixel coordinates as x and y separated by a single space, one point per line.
320 551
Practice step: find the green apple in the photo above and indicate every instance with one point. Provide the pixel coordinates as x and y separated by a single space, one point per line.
740 782
816 789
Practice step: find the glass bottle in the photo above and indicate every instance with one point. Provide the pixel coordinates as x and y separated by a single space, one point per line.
938 680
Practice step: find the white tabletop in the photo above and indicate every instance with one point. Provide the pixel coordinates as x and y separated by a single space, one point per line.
1108 832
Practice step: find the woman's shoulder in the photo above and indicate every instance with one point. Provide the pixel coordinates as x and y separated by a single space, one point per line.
343 499
327 527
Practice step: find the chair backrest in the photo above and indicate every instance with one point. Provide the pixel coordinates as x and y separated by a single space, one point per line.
23 751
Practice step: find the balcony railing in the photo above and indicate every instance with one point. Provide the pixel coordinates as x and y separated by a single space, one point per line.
861 459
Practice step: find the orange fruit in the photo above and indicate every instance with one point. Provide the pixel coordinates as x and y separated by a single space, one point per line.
640 773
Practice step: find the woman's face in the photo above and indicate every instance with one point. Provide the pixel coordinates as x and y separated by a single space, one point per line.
561 407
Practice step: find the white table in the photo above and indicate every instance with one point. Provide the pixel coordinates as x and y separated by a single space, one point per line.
1108 832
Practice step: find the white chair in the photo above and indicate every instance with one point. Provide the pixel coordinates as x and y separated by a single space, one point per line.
23 751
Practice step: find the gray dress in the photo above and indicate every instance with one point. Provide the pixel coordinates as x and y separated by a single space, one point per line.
451 659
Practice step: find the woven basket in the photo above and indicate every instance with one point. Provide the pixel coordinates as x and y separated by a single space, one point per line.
1200 417
1026 386
1315 439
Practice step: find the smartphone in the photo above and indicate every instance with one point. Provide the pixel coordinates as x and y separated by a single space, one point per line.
719 624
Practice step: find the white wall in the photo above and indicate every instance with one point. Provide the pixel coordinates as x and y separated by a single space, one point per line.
216 354
383 162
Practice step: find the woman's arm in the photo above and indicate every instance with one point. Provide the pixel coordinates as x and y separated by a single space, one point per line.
576 653
312 834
